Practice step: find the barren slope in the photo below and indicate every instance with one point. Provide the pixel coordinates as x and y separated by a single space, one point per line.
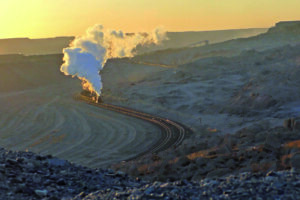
39 114
224 93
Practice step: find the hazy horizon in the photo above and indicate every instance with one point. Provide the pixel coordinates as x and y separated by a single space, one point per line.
43 19
187 31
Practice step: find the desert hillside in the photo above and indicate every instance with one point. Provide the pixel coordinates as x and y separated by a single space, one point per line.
216 92
240 99
222 91
243 107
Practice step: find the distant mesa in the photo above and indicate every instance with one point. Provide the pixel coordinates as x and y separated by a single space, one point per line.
286 26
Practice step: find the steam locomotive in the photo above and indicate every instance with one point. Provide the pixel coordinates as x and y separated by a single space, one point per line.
92 96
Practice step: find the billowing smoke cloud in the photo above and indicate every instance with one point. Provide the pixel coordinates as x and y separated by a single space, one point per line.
87 54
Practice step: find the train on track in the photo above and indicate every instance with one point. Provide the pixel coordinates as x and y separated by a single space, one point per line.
172 135
92 96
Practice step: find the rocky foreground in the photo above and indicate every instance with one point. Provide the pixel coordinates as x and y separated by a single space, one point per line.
25 175
273 185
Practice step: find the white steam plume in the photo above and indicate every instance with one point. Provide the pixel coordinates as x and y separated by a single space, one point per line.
87 54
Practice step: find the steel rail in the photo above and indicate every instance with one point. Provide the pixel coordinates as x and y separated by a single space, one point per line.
173 133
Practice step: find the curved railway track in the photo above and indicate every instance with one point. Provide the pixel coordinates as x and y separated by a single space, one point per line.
173 133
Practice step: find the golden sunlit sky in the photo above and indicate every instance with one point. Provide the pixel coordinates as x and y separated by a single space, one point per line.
50 18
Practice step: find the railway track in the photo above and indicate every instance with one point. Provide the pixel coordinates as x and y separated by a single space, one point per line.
173 133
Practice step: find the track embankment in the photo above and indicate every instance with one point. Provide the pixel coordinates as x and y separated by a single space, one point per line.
173 133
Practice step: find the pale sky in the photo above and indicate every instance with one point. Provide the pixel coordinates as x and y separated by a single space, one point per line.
50 18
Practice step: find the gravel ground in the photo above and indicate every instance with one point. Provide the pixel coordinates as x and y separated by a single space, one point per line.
273 185
25 175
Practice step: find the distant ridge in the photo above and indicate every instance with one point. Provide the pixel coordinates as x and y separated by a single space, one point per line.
55 45
32 39
196 38
29 46
286 26
282 34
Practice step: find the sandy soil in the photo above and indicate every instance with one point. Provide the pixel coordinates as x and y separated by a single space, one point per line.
39 114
